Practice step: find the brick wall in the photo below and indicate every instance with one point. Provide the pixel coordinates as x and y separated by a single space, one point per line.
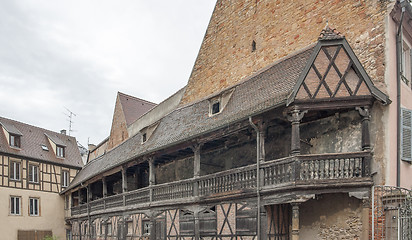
118 132
279 28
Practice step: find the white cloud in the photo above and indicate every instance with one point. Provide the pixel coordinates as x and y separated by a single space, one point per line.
78 54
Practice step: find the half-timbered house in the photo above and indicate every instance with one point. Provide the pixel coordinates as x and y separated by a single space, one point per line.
35 166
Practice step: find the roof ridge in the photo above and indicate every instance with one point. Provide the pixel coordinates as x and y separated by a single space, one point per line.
136 98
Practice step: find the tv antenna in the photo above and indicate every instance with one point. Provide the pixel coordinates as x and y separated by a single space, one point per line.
70 115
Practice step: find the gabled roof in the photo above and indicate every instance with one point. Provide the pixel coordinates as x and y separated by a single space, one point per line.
334 71
10 128
55 139
33 138
134 107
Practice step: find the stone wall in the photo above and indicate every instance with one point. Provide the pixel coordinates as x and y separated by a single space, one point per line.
278 28
331 216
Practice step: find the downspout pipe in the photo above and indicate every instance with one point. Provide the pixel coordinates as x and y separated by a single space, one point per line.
398 96
258 153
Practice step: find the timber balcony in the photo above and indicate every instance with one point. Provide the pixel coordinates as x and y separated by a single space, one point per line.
316 171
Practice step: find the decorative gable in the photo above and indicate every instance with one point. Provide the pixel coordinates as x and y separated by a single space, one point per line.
334 71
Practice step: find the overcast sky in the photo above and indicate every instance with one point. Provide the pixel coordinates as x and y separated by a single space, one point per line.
77 54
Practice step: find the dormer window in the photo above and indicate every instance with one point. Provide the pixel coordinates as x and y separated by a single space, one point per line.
12 134
215 107
218 103
14 140
60 151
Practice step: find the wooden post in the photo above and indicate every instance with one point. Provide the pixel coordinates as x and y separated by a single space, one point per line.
152 176
197 224
196 167
104 187
295 221
104 191
366 142
89 193
80 196
196 163
295 117
124 179
262 134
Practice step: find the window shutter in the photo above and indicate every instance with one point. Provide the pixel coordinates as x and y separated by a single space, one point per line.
406 135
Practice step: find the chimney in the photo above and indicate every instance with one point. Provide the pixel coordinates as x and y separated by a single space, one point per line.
63 131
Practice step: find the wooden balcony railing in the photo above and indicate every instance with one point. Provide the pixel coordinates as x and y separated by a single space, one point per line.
294 170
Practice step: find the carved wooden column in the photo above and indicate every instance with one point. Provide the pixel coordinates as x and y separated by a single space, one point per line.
196 167
262 135
152 176
196 163
104 191
295 221
295 116
89 193
80 196
104 186
124 179
366 142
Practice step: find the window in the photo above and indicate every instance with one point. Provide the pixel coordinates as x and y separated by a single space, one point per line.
146 227
65 178
44 147
33 173
406 135
15 205
15 171
60 151
215 107
406 63
15 140
34 206
144 137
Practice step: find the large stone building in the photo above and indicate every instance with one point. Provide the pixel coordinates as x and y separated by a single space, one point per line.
286 129
35 166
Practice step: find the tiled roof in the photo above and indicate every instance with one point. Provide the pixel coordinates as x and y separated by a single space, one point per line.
264 90
34 137
10 128
134 107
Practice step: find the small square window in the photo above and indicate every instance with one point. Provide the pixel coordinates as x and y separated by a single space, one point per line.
15 205
60 151
215 108
34 206
33 173
14 140
14 171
